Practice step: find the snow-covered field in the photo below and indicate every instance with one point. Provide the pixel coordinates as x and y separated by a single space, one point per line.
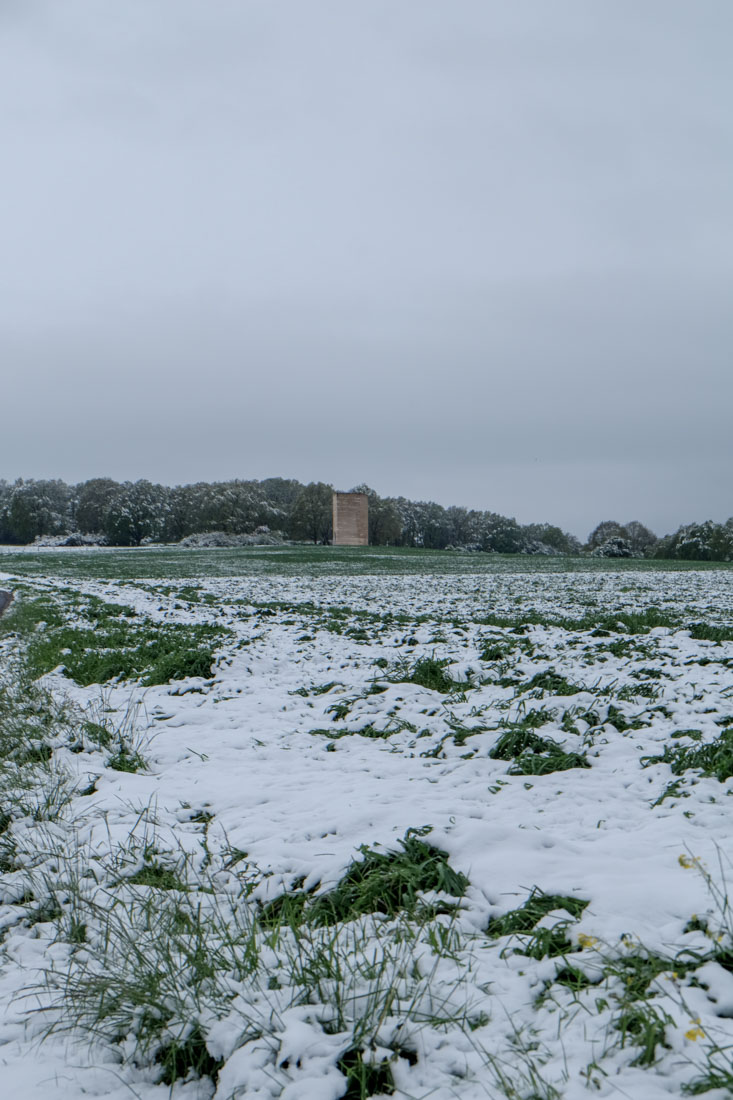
572 939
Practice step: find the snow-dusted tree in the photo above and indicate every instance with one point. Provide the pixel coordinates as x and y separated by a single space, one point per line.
93 499
501 534
137 512
424 523
178 518
243 506
608 529
385 526
36 508
641 540
539 536
706 541
613 547
281 494
463 526
409 522
5 529
312 515
200 508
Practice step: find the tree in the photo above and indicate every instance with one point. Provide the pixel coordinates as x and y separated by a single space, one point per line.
706 541
244 507
423 523
281 494
179 516
613 547
501 534
138 512
641 540
385 526
608 529
34 508
554 538
411 530
312 515
5 529
464 527
93 499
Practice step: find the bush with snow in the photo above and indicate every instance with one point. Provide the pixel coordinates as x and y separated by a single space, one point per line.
615 547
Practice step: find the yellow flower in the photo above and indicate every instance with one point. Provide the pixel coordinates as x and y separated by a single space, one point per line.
695 1032
686 862
586 941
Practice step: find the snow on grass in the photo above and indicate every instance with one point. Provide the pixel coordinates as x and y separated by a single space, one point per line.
413 835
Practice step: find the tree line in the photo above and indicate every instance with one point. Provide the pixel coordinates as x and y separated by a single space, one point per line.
136 513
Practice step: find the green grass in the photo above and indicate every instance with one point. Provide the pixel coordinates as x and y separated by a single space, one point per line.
600 624
639 1021
173 563
715 1077
552 683
537 906
629 692
380 882
108 641
157 876
153 653
498 650
573 979
365 1079
706 632
635 972
429 672
546 943
32 724
714 760
644 1026
152 964
619 721
533 755
28 614
369 731
187 1056
160 967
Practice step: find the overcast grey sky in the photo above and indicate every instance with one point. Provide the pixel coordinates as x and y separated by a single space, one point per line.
501 231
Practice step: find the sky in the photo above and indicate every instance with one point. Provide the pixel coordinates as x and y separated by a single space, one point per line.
475 252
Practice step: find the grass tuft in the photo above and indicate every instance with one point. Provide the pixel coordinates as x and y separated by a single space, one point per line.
537 906
714 760
110 641
365 1078
552 683
532 754
644 1026
188 1056
429 672
389 883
